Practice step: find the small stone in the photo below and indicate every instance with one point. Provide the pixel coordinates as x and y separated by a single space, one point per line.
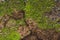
2 0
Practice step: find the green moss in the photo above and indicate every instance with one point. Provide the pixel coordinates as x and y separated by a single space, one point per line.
7 7
35 9
8 34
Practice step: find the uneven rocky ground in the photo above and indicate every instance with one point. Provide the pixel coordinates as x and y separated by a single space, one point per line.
31 31
36 33
49 34
54 14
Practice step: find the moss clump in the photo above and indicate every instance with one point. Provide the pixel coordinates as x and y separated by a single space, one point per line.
8 34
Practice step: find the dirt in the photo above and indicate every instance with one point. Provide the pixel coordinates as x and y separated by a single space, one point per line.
50 34
18 14
31 31
41 34
24 31
11 23
38 34
10 20
54 14
30 37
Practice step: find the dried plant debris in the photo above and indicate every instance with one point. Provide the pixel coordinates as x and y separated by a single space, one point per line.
31 24
31 31
1 25
30 37
57 3
18 14
58 37
39 34
49 34
5 19
11 23
54 14
24 31
43 35
34 30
